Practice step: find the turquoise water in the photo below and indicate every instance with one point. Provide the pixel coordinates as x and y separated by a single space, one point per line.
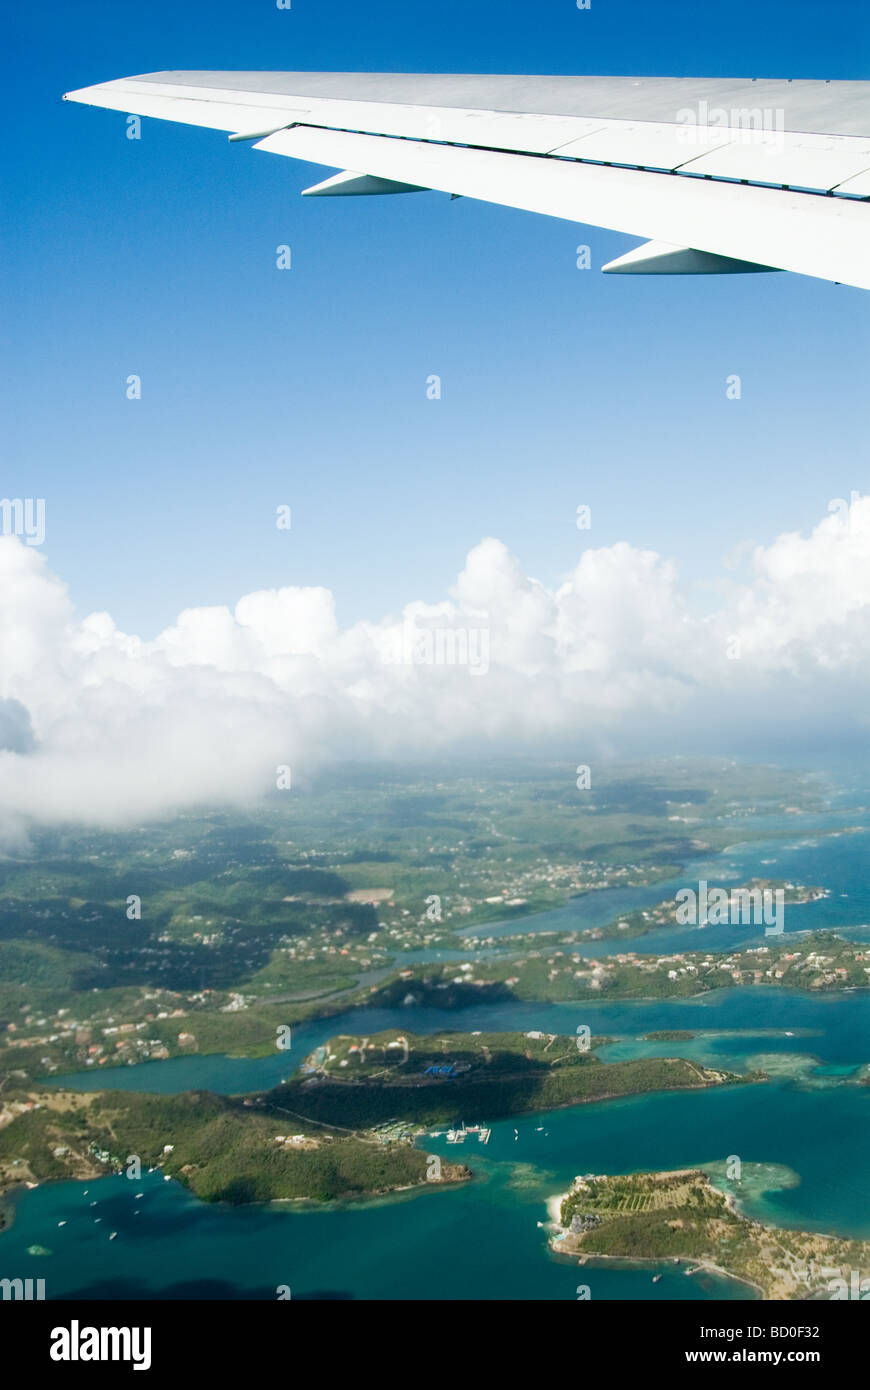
459 1244
839 1025
482 1239
477 1241
834 861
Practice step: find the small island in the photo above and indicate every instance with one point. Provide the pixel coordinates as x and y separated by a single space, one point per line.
681 1217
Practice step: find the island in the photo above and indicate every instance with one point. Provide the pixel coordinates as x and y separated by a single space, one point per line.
682 1217
346 1124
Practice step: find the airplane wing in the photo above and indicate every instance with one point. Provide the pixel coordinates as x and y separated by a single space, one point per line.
718 175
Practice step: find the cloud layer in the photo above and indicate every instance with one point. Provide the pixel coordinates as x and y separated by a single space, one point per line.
97 726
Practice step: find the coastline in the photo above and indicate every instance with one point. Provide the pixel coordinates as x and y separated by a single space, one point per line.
696 1264
554 1216
781 1258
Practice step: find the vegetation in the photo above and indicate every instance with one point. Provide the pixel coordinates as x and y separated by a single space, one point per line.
344 1125
308 900
484 1076
223 1150
682 1215
818 961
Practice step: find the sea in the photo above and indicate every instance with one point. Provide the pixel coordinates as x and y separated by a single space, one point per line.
804 1134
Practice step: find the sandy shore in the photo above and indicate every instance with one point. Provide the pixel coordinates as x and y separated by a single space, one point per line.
554 1208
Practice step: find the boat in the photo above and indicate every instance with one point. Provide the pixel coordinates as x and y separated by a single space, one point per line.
112 1236
656 1278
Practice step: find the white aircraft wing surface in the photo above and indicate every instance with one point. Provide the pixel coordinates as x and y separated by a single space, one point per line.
719 175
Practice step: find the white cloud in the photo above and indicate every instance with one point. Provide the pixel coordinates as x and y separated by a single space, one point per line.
123 730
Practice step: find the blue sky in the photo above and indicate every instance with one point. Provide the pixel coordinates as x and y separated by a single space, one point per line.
307 387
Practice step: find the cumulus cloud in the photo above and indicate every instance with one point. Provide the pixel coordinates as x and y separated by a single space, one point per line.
99 726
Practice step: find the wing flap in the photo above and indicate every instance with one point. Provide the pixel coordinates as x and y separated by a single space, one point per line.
802 161
811 235
590 152
643 144
857 187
